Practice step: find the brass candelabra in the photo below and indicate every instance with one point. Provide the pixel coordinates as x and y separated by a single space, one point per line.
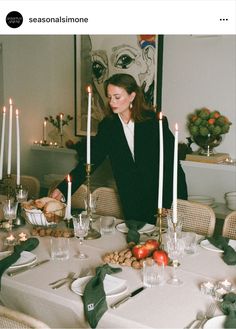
92 233
159 224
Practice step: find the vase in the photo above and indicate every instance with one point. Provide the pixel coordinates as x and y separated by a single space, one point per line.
207 144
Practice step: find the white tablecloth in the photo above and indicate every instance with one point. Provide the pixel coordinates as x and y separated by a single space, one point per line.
160 307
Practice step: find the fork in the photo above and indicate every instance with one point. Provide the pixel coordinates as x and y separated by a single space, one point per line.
209 314
59 283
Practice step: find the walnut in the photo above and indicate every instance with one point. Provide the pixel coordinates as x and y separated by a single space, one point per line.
135 264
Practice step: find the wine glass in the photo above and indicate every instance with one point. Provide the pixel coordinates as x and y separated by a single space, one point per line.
81 227
90 203
175 248
21 196
9 211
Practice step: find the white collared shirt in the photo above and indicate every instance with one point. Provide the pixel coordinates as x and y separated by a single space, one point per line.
129 134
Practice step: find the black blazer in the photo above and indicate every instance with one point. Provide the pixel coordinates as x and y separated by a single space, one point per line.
137 181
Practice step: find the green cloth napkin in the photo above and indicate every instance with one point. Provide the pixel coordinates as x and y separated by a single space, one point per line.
133 234
228 307
229 256
94 297
27 245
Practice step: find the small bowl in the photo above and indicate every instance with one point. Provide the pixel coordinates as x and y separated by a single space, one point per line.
203 199
230 198
37 217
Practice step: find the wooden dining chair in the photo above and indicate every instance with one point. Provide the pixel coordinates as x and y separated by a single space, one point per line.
17 320
31 183
229 226
108 202
196 217
77 199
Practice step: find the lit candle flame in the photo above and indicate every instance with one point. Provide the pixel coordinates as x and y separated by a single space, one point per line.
4 109
17 112
160 115
176 127
68 178
89 89
10 101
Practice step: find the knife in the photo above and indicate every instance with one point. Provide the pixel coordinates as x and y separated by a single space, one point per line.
132 294
26 268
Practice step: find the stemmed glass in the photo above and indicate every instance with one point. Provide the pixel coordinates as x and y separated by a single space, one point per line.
21 196
9 211
81 227
175 248
91 203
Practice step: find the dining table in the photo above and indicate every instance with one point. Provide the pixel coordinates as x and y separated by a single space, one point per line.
162 306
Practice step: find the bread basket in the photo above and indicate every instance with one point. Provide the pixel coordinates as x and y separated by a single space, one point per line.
37 217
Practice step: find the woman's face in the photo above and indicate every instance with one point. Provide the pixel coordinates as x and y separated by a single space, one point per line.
119 100
119 54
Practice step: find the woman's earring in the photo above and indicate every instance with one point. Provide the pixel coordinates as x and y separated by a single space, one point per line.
130 105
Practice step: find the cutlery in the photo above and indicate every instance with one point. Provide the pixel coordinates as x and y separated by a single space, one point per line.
26 268
209 314
59 280
70 277
132 294
199 317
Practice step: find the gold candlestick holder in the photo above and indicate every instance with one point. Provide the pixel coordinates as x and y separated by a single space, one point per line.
92 233
159 225
61 140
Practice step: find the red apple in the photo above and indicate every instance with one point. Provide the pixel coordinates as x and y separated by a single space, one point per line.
151 245
160 257
140 251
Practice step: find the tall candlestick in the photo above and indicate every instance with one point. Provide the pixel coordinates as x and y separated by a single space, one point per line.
17 148
175 175
9 139
89 125
160 187
2 141
61 125
45 130
68 207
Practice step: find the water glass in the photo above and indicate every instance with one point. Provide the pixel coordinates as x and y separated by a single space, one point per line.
190 242
153 273
171 229
107 225
21 195
60 248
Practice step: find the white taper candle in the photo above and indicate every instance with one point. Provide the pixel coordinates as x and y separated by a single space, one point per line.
161 162
2 140
17 148
175 175
68 207
89 125
9 139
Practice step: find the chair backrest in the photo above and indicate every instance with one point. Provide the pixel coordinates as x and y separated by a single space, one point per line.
13 319
77 199
108 202
31 183
196 217
229 226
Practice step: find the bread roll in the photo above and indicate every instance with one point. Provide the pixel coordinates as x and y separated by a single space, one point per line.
40 203
54 210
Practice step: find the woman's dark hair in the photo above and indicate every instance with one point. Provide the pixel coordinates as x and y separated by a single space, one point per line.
128 83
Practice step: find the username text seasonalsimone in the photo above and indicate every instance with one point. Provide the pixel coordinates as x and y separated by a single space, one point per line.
59 19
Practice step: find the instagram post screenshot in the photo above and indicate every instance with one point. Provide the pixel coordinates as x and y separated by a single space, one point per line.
118 164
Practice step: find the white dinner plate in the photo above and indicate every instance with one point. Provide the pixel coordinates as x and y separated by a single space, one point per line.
147 228
215 323
207 245
113 286
26 258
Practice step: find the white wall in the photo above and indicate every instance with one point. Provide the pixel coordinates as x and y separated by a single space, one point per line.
200 71
38 74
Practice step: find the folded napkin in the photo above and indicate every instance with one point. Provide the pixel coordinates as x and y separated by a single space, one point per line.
228 307
133 234
229 256
27 245
94 297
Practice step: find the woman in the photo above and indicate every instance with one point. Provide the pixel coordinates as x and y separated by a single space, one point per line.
129 135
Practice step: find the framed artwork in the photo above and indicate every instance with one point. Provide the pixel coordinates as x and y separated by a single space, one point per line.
97 57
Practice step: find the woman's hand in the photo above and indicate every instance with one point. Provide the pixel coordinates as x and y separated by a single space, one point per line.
56 194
